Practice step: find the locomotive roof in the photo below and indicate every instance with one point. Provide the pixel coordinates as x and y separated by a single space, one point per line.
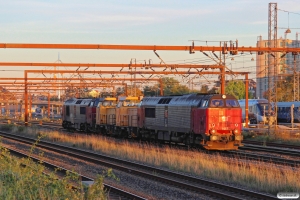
74 101
123 98
288 104
184 100
253 101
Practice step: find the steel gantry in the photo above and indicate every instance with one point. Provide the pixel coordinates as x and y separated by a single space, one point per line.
26 78
232 48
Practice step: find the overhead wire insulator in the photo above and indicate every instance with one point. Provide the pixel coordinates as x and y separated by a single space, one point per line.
192 51
260 53
224 48
215 55
283 55
205 54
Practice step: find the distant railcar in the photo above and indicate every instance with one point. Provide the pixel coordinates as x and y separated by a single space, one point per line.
127 116
91 114
106 115
284 113
258 111
74 113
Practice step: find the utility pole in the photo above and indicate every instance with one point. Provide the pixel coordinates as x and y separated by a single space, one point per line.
272 62
296 72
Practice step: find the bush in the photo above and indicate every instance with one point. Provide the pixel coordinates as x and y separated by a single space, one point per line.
24 179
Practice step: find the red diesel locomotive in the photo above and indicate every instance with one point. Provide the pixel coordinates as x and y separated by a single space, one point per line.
212 121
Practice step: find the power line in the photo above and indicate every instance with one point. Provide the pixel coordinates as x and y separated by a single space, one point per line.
288 11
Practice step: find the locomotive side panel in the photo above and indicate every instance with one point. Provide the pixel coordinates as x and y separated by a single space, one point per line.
148 115
160 116
199 120
98 111
141 117
133 117
121 116
109 116
88 115
179 117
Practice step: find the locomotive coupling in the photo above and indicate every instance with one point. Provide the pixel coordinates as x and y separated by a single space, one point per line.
224 137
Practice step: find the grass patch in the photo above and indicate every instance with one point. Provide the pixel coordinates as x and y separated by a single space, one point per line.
282 136
258 176
24 179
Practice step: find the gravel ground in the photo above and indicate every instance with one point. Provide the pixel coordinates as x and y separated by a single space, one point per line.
137 185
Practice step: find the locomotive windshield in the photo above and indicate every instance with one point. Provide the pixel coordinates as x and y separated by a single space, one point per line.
224 103
108 103
232 103
217 103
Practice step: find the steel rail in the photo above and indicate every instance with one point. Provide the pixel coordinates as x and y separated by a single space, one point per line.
240 154
154 173
272 144
263 158
289 152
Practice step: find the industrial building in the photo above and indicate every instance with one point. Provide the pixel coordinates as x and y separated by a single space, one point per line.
285 64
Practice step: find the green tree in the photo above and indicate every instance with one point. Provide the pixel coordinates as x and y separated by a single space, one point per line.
171 86
204 89
285 89
236 88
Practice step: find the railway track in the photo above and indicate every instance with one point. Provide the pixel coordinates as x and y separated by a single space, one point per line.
288 152
272 144
238 154
113 192
262 158
251 156
178 180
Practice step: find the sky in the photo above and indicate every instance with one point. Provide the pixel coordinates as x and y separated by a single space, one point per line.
155 22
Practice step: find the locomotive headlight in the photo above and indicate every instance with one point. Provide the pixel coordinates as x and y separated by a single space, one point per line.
224 96
212 131
214 137
235 131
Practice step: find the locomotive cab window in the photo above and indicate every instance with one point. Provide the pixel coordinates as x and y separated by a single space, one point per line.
204 103
67 110
150 112
119 104
105 103
78 102
217 103
82 110
232 103
140 104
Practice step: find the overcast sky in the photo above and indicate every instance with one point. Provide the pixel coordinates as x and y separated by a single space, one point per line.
155 22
